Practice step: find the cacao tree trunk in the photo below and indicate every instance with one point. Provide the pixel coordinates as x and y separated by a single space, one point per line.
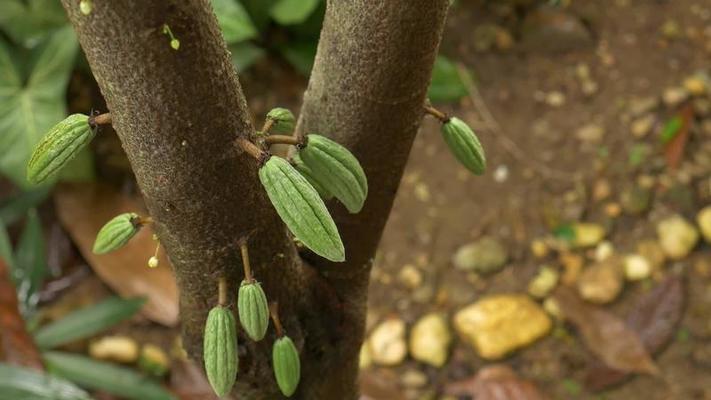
178 113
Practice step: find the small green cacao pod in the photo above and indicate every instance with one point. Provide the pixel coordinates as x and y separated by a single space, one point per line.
116 233
59 146
307 173
336 168
286 364
283 120
302 210
220 350
465 145
253 309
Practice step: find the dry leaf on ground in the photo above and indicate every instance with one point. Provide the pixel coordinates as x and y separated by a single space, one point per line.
83 209
496 382
607 336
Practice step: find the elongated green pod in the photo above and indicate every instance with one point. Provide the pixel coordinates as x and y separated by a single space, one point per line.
302 210
465 145
59 146
220 350
286 364
253 309
336 169
283 120
307 173
116 233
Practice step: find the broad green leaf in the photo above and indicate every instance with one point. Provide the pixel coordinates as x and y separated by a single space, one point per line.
103 376
30 264
300 55
6 247
447 84
28 108
259 11
15 207
245 54
86 322
290 12
234 21
17 383
30 20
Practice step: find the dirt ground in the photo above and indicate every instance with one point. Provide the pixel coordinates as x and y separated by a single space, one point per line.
632 55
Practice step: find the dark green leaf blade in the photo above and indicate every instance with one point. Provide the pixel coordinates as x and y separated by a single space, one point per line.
447 84
234 21
30 267
290 12
18 383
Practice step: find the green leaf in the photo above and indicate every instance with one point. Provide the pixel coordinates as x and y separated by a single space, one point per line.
6 247
245 54
30 264
15 207
28 21
447 84
103 376
86 322
28 108
17 383
259 11
300 55
290 12
234 21
671 128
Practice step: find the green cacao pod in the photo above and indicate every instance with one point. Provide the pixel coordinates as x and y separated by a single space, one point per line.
286 364
220 350
283 120
253 309
337 169
307 173
116 233
465 145
59 146
302 210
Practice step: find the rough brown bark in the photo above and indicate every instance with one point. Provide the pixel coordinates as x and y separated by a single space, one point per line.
177 114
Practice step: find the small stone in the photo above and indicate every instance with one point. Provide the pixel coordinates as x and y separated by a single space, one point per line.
590 133
588 234
641 126
601 283
696 85
121 349
501 174
601 189
613 210
671 29
499 324
555 99
674 96
153 360
637 267
544 282
387 342
410 276
589 87
430 339
484 256
552 308
413 379
652 252
703 219
604 250
539 248
677 237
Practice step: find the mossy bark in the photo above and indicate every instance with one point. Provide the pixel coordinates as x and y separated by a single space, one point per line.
178 113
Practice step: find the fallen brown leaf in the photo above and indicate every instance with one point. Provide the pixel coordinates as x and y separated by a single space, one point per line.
83 209
16 345
496 382
654 318
607 336
674 150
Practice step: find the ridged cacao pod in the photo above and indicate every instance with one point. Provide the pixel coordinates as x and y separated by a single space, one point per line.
307 173
220 350
116 233
465 145
301 208
286 364
284 121
59 146
253 310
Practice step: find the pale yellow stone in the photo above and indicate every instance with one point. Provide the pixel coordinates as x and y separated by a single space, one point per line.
703 219
588 234
430 339
677 237
387 342
114 348
499 324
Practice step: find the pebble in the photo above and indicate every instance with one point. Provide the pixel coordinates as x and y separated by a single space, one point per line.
641 126
604 250
677 237
674 96
671 29
387 342
153 360
410 276
121 349
484 256
499 324
696 85
588 234
637 267
555 99
544 282
430 339
552 308
601 283
703 219
539 248
590 133
652 252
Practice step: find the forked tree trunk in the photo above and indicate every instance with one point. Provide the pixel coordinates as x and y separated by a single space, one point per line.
178 113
